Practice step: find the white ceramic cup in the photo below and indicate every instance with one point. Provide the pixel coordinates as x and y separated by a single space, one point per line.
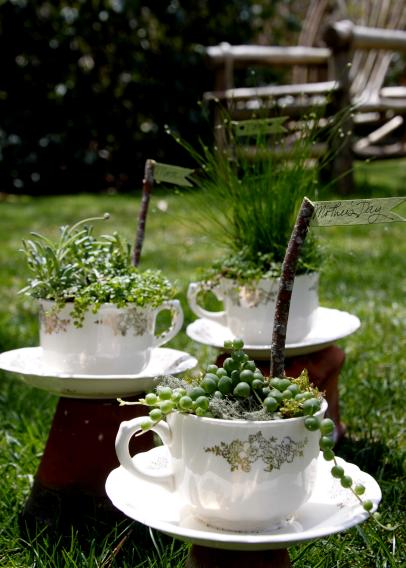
249 310
234 474
112 341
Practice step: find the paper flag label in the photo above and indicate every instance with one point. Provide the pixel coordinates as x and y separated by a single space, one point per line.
356 211
259 126
172 174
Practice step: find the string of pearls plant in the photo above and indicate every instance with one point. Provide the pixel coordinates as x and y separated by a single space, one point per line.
239 390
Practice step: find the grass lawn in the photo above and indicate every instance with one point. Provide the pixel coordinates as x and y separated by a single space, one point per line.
365 274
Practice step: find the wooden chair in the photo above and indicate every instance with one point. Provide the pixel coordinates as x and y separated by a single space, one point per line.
308 63
361 57
305 59
355 60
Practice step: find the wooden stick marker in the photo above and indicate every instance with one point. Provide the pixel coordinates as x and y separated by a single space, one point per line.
286 282
148 183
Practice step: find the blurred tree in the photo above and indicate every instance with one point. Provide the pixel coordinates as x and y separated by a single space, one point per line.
87 86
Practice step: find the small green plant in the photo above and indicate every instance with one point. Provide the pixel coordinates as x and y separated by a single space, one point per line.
236 391
89 271
239 391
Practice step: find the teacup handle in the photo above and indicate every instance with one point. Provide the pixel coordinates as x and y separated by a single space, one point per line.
177 321
125 432
192 293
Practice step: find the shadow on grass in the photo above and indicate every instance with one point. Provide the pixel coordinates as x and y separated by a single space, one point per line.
95 530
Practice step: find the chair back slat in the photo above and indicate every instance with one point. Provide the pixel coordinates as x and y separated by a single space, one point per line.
311 27
369 68
310 36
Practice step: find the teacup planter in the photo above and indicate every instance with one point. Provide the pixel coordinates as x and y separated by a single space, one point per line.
251 206
234 474
249 309
97 310
112 340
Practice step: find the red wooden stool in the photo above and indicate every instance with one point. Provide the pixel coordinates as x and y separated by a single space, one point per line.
202 557
78 456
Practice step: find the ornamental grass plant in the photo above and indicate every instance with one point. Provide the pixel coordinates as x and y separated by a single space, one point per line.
250 199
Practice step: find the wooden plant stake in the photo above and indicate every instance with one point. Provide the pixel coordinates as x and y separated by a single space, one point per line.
148 183
287 280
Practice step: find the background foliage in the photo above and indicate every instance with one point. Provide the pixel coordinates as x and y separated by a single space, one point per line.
87 86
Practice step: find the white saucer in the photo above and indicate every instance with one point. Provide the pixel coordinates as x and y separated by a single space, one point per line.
329 326
330 509
28 364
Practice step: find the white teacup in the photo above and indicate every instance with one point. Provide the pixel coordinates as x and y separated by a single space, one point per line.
249 310
112 341
234 474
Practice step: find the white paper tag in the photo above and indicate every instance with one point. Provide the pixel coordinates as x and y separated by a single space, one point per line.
356 211
259 126
172 174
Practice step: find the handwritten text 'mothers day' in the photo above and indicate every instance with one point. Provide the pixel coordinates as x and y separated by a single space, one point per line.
352 212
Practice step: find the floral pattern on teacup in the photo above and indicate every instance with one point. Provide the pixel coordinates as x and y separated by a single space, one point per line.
251 296
51 322
242 454
122 322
